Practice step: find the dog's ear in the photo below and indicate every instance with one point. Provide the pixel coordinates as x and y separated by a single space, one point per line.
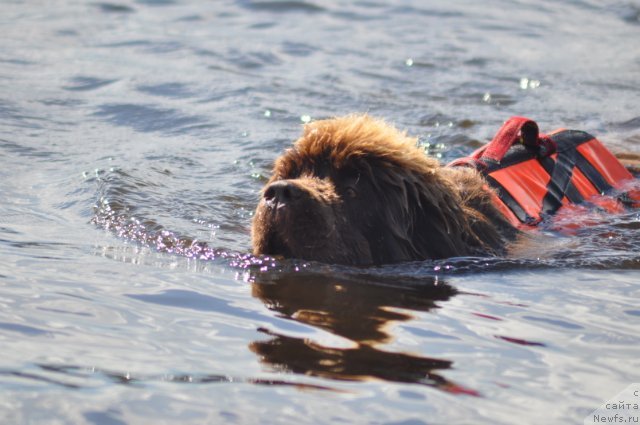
377 214
438 224
418 217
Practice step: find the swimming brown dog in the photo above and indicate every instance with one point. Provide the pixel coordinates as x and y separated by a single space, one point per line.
355 190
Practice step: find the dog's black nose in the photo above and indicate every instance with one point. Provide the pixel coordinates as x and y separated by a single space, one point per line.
282 192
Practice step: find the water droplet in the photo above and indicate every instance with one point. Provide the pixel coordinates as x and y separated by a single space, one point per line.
267 113
305 118
409 62
487 97
527 83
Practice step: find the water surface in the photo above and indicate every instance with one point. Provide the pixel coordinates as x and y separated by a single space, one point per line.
135 137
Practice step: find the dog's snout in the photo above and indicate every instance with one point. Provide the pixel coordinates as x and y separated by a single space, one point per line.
281 192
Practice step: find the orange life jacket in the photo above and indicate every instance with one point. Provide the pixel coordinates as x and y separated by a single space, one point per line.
536 175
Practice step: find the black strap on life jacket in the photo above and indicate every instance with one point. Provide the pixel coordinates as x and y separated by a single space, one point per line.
561 171
511 202
570 140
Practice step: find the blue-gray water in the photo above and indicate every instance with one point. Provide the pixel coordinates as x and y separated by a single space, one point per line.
135 137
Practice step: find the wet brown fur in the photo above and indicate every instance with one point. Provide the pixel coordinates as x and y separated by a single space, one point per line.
358 191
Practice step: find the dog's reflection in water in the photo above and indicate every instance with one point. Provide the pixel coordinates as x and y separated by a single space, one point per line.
359 309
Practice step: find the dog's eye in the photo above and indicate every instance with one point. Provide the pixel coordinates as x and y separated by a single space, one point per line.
351 192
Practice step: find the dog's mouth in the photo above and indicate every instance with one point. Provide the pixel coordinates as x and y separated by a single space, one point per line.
294 234
295 225
276 245
277 221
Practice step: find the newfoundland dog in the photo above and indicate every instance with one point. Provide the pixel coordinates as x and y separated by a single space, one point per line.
354 190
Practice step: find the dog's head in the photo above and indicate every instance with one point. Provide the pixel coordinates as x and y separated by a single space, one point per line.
354 190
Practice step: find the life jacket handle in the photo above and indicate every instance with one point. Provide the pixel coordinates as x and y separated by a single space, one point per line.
515 130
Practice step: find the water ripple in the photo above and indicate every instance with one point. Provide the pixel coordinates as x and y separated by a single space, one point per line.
170 90
282 6
79 377
148 118
114 8
82 83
